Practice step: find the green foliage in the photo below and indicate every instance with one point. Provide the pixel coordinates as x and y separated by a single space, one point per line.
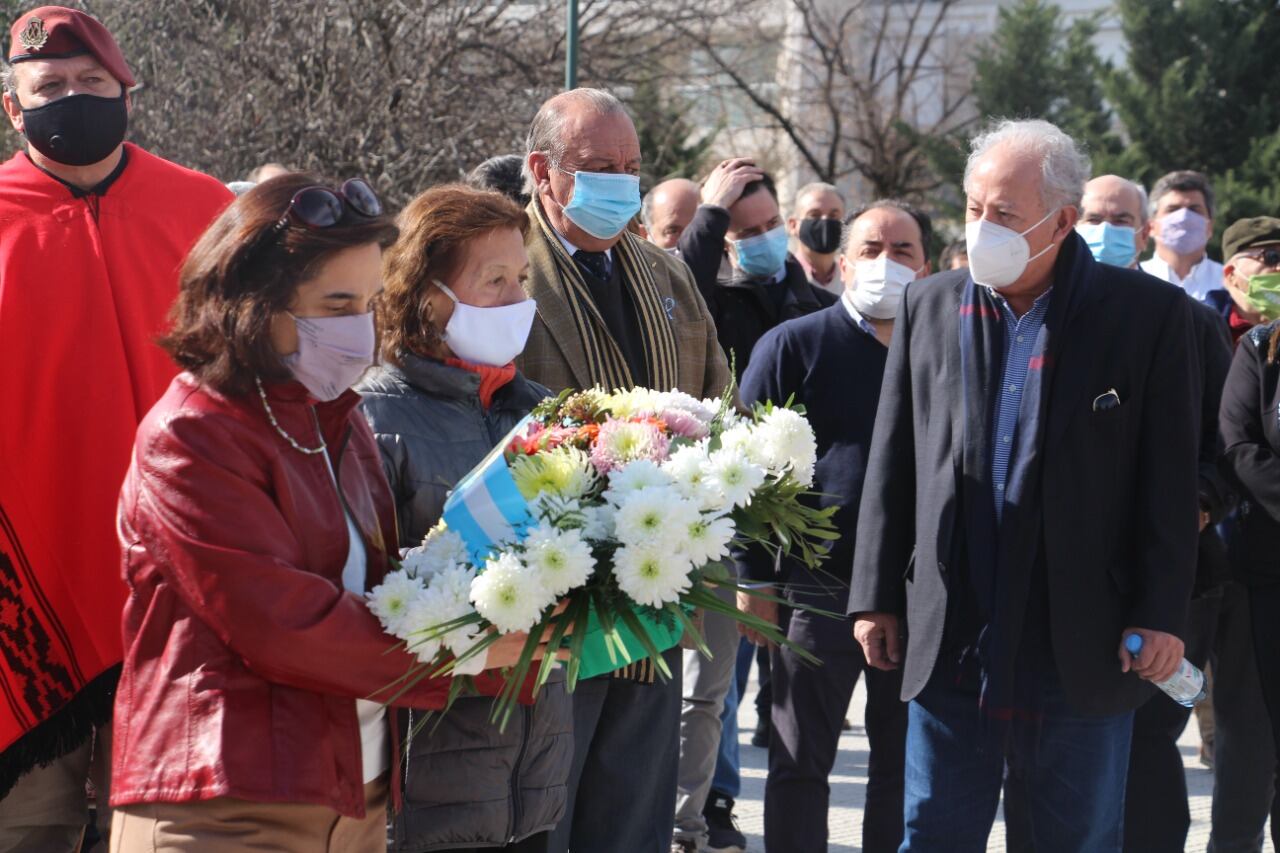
1200 88
1038 66
667 138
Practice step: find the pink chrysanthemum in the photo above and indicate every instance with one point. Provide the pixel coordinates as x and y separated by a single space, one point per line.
622 442
684 424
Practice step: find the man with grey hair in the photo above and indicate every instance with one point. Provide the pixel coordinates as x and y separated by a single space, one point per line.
614 311
667 210
816 221
1030 503
1181 211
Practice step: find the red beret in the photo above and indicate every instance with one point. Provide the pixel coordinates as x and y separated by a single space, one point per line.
56 32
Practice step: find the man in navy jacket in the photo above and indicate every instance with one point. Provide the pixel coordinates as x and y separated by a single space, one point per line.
832 363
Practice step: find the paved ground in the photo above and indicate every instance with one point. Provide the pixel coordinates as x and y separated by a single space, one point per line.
848 785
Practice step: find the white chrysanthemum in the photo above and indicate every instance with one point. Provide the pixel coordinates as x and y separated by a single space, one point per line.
789 444
390 599
707 539
508 594
651 575
703 410
561 558
440 549
653 516
741 440
422 616
687 467
641 474
451 594
734 477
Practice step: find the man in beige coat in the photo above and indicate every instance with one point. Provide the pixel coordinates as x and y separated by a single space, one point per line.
617 312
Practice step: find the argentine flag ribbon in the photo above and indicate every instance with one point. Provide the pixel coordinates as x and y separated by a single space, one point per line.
485 508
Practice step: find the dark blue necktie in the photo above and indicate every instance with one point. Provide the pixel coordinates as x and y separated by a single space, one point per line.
596 263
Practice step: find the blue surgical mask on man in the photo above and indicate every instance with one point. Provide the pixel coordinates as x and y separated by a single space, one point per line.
763 254
1116 245
603 203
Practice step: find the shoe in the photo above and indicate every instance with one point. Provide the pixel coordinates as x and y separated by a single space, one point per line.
760 737
684 845
723 835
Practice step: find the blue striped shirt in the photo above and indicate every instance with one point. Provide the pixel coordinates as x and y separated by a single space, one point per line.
1020 334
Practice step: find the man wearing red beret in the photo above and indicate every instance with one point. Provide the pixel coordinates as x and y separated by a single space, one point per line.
92 233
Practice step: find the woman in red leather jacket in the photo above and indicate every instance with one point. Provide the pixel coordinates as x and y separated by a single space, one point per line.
253 518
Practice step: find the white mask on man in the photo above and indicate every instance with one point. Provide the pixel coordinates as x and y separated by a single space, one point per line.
998 256
878 287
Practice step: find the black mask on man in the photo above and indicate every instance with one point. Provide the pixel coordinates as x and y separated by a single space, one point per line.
821 235
78 130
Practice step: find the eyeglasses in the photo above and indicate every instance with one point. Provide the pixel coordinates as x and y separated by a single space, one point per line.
1269 258
321 207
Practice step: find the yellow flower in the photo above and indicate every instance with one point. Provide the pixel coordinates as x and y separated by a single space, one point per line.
565 472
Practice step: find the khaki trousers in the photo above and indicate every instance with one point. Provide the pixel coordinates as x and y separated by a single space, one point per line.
47 810
228 825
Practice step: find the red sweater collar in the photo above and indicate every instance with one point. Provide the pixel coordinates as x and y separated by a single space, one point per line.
491 378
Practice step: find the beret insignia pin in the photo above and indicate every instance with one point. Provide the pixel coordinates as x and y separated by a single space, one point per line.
33 35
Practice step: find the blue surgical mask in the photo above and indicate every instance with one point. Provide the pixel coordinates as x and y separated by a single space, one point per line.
763 254
1116 245
603 203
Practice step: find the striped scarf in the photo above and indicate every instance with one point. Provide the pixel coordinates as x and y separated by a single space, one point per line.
605 364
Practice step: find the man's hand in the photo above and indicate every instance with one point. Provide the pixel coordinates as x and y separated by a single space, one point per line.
1161 653
878 635
723 186
761 608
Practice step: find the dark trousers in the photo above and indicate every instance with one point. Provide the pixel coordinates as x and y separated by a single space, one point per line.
1156 812
1243 763
626 756
1264 613
1070 771
809 706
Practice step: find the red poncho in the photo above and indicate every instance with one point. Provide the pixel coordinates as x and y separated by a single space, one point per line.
82 300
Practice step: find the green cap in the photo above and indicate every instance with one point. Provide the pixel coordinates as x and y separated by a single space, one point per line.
1247 233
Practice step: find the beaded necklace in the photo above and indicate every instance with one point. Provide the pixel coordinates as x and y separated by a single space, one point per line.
271 416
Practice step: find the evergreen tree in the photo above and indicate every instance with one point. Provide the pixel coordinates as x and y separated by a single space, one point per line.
1037 65
1200 89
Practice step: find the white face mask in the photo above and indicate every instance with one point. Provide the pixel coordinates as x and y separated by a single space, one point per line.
999 255
878 287
492 336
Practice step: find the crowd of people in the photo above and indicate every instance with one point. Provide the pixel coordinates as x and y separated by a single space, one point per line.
229 408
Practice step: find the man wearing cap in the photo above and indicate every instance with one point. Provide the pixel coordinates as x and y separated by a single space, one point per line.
92 233
1251 248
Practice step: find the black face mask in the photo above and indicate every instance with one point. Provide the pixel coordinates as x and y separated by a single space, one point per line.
78 130
821 235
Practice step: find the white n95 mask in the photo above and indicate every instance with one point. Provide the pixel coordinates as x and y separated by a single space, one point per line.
999 255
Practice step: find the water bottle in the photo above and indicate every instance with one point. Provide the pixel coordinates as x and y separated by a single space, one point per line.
1186 686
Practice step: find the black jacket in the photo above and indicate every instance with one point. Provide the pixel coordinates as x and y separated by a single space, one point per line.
1250 425
1117 488
1217 497
742 310
467 784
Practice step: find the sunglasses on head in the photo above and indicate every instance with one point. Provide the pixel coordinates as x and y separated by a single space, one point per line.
1269 258
322 207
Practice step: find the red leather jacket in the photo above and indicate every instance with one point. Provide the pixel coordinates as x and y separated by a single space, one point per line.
242 651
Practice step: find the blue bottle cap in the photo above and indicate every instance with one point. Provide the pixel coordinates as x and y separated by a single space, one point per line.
1133 643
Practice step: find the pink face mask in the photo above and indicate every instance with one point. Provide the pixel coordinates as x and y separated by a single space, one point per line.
1184 231
333 353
